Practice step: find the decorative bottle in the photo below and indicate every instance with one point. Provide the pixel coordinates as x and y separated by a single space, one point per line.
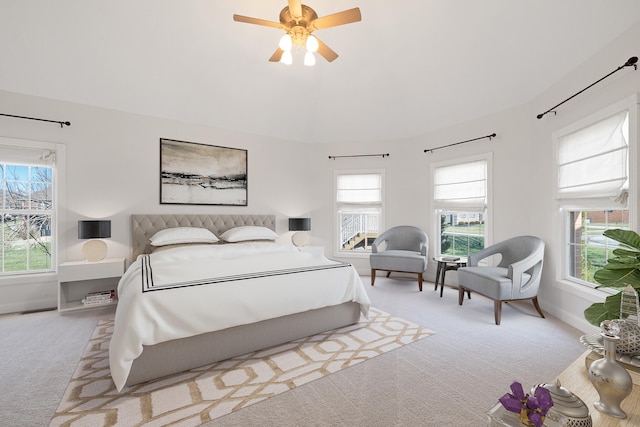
612 381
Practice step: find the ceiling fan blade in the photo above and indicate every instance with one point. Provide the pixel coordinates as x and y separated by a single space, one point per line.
256 21
340 18
325 51
295 9
276 55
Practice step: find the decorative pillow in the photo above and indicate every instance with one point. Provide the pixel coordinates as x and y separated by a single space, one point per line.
248 232
172 236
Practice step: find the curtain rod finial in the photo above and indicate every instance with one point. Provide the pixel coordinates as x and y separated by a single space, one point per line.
631 61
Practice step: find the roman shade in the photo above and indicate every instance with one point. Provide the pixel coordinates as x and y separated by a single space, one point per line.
593 161
461 187
361 188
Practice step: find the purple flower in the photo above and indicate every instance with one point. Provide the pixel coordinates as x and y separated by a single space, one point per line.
534 408
516 401
544 400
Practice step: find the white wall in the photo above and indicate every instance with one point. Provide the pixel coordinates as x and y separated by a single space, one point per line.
112 171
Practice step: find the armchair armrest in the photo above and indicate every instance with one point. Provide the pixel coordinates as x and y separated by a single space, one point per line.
517 269
482 254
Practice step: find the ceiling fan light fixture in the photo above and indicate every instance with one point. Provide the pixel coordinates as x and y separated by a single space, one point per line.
287 57
285 43
309 59
312 44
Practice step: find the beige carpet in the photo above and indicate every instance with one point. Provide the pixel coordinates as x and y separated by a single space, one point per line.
203 394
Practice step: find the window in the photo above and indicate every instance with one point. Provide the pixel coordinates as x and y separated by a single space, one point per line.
460 195
26 210
593 190
359 198
588 249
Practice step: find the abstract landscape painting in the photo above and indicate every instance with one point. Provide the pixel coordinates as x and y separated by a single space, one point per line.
201 174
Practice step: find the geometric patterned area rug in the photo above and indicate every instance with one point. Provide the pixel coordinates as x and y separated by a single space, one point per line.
203 394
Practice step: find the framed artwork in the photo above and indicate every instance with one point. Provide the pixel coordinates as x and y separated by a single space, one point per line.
201 174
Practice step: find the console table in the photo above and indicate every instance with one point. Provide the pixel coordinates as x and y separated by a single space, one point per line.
576 379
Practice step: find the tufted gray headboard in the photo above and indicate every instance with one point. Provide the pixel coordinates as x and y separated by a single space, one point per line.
145 226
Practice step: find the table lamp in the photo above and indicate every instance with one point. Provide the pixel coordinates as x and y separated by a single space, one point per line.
94 250
301 226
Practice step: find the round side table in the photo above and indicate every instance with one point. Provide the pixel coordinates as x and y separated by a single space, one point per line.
448 263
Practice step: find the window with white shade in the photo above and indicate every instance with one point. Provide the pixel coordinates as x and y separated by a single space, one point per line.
27 208
460 199
359 208
594 186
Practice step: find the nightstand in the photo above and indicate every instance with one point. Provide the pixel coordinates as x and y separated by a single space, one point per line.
77 279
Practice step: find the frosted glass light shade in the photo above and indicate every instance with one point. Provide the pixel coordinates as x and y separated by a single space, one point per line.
312 44
309 59
287 57
285 42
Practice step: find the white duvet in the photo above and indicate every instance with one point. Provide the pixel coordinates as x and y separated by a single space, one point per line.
186 291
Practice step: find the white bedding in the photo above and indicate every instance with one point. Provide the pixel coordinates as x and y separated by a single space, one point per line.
192 290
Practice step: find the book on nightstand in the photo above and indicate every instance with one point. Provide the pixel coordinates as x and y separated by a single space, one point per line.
450 258
101 297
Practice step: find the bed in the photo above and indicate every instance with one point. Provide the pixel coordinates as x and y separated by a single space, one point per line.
191 305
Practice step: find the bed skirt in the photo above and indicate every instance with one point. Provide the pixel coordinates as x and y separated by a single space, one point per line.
180 355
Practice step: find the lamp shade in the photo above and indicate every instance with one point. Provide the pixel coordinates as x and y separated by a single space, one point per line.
94 229
299 224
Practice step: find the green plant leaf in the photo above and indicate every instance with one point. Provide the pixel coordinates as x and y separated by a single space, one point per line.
626 237
621 270
618 277
607 310
626 252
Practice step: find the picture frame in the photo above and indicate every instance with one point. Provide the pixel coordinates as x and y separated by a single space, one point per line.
200 174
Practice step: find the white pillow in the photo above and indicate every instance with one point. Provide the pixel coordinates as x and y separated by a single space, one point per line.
172 236
248 232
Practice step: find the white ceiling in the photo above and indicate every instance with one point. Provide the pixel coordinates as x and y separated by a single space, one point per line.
407 68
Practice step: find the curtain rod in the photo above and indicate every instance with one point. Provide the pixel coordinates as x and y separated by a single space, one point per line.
431 150
631 62
41 120
361 155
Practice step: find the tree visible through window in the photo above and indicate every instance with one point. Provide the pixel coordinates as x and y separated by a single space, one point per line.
26 217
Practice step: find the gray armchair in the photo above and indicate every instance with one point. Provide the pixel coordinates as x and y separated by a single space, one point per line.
516 277
401 249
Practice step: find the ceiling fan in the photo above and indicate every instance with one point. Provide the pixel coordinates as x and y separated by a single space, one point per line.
299 21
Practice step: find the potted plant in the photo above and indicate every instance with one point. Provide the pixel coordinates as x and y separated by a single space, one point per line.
622 269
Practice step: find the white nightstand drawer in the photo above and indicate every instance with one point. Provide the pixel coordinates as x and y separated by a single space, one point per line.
85 270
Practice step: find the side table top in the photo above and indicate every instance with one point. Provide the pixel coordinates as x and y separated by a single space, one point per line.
450 259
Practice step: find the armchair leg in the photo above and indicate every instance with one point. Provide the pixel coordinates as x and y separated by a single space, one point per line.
373 276
498 310
537 306
420 282
460 295
388 273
